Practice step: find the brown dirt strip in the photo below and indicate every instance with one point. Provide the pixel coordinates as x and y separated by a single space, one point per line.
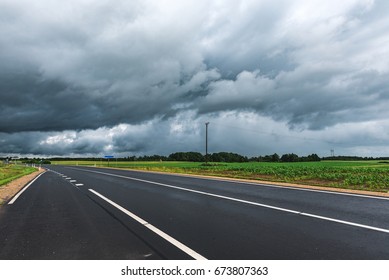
8 190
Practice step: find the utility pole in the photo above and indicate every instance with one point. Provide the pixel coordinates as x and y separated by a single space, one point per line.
206 142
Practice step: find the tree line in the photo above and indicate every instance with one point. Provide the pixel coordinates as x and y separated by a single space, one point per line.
198 157
214 157
223 157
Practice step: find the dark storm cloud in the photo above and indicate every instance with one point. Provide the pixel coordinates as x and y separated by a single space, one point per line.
332 65
31 102
319 99
121 140
84 67
94 66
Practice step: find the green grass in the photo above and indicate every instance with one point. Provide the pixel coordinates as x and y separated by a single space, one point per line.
10 172
361 175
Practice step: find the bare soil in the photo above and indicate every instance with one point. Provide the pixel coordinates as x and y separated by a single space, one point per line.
7 191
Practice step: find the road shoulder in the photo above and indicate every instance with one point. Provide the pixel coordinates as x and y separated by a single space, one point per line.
12 188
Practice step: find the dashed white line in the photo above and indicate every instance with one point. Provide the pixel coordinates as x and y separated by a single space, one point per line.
73 181
79 185
162 234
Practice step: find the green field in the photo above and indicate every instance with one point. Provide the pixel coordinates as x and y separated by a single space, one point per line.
9 172
361 175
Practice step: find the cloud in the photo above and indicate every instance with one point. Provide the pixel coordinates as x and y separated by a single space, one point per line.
246 133
96 66
334 69
72 72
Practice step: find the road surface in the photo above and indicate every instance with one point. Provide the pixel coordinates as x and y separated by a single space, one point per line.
72 212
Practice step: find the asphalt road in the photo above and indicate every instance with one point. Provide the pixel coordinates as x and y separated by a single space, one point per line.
90 213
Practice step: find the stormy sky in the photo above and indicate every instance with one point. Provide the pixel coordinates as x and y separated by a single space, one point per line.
93 78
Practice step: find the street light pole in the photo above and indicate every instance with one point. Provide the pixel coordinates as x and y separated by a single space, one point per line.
206 142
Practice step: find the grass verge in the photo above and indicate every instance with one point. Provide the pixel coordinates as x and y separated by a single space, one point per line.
10 172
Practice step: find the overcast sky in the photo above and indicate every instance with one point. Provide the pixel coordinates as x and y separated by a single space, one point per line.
94 78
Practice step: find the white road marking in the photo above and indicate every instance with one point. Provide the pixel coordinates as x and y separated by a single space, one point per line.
248 202
257 184
73 181
312 190
165 236
68 178
264 184
345 222
25 188
79 185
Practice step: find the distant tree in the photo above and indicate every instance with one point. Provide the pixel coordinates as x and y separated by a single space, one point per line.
152 158
289 158
227 157
196 157
313 157
130 158
275 158
186 156
267 158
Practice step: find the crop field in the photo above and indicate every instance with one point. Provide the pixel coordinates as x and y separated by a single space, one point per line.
9 172
360 175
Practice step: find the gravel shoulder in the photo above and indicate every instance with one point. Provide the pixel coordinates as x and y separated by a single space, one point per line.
7 191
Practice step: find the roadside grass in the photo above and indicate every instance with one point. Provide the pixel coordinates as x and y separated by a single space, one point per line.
358 175
10 172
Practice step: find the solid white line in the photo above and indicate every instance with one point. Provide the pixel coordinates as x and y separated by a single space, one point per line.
303 189
345 222
310 190
256 184
165 236
25 188
248 202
